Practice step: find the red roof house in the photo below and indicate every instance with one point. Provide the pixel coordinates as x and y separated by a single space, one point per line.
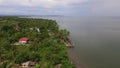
23 40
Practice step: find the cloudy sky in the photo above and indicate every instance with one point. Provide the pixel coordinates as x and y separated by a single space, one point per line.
60 7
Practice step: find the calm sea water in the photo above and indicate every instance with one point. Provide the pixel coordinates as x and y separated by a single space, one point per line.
96 40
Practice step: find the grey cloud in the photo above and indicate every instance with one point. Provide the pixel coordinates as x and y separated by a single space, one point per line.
106 7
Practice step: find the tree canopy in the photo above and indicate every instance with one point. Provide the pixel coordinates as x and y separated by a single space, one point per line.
46 45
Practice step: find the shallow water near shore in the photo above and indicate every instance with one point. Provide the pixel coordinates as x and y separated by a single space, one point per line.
96 40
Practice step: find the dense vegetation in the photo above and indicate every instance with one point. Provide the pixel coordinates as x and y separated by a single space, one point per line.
46 45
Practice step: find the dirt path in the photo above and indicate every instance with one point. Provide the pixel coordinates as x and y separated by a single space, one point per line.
74 59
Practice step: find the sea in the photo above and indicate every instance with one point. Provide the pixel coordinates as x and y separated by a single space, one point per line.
96 39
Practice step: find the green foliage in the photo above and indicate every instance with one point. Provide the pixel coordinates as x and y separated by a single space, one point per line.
37 66
45 42
5 44
66 64
21 57
6 64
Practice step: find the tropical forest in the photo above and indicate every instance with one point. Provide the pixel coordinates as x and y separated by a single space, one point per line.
32 43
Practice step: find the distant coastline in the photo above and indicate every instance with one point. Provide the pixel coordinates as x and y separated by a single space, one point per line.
35 15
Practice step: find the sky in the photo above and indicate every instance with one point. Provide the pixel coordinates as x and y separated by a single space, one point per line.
60 7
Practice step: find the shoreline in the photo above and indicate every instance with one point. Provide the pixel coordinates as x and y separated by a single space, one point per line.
74 60
72 57
68 43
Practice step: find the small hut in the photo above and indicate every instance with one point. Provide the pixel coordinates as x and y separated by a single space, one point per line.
28 64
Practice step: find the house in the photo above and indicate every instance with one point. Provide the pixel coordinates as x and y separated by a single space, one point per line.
31 64
17 28
23 40
28 64
35 28
25 64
